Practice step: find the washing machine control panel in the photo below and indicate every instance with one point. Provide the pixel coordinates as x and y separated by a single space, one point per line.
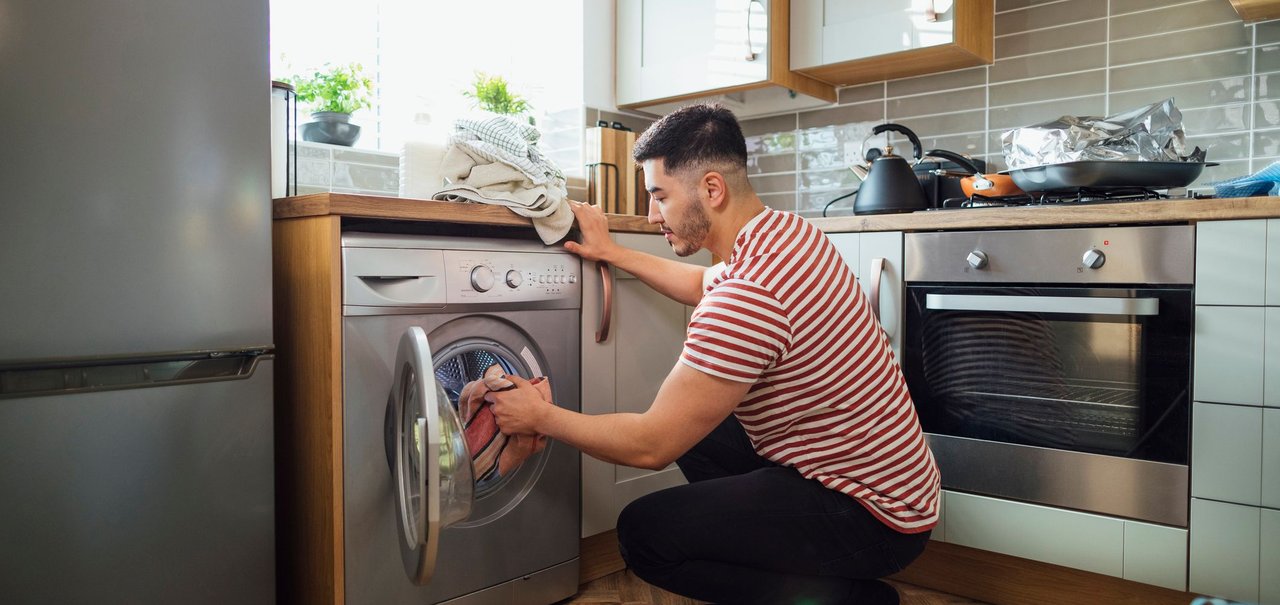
493 276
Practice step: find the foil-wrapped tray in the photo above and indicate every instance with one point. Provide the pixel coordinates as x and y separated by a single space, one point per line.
1147 134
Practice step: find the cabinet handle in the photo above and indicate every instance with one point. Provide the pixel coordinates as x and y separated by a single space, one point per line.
877 271
931 13
751 53
606 310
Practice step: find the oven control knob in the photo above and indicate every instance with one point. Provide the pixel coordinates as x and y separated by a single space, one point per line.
481 278
977 259
1094 259
514 279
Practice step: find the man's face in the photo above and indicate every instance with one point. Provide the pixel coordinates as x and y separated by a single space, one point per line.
677 207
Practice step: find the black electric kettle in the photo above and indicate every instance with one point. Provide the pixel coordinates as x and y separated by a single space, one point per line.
890 185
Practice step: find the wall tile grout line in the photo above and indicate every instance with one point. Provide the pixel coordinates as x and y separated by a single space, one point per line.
1106 76
1036 30
1028 7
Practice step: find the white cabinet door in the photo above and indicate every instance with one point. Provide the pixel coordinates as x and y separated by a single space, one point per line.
859 30
1226 452
623 374
1225 545
1040 533
886 248
1269 555
1229 354
670 48
1155 554
1231 262
849 245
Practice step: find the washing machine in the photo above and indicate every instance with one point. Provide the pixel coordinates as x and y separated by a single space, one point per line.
422 317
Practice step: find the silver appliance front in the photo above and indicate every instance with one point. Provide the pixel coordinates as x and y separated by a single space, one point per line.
1054 366
518 544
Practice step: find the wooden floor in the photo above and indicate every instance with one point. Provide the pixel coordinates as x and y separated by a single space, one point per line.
624 588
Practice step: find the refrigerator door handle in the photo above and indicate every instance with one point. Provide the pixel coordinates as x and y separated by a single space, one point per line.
90 375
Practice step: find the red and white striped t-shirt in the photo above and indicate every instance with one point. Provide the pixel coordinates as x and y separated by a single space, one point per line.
828 396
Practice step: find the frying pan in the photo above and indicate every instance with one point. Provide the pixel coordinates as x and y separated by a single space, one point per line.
1107 174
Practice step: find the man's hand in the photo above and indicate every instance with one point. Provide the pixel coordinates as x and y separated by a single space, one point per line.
596 243
520 410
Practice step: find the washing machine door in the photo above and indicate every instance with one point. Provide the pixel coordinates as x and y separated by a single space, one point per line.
431 464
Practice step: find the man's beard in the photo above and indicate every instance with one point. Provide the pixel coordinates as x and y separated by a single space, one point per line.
693 232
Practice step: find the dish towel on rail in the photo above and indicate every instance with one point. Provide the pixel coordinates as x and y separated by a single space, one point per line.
495 160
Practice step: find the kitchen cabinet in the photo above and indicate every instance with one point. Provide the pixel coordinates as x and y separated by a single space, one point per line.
855 42
1226 453
1269 557
672 50
1225 545
1256 10
1271 459
1141 552
1231 263
1229 354
866 253
623 372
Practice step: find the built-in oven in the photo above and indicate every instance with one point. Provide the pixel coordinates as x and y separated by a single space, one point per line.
1054 366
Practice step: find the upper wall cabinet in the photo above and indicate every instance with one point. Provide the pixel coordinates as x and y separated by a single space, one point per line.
843 42
1256 10
673 50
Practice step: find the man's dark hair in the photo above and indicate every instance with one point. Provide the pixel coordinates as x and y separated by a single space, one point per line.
694 135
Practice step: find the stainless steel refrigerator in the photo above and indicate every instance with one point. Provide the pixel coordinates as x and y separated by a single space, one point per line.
135 302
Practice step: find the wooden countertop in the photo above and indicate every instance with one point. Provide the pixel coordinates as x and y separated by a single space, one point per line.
1161 211
395 208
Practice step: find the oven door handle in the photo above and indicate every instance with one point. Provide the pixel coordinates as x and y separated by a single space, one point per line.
1080 305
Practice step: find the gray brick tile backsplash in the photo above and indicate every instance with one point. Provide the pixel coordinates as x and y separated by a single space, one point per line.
1210 120
758 126
760 164
1172 18
1057 38
858 94
1181 70
1208 39
1120 7
960 78
1041 15
372 178
1267 32
777 183
844 114
1047 64
1044 89
936 103
1266 143
1196 94
1267 58
364 157
1023 115
780 201
1222 147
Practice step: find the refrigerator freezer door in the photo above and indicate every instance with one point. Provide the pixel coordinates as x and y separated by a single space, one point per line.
135 171
154 495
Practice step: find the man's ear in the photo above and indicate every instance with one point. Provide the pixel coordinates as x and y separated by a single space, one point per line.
717 189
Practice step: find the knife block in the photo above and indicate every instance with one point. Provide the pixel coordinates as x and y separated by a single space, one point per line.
611 171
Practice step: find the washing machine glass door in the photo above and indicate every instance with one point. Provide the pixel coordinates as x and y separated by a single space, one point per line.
432 468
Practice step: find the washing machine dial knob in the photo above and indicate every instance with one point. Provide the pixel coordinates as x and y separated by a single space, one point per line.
1094 259
481 278
514 279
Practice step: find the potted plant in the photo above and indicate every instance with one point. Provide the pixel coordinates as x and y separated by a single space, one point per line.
334 92
490 93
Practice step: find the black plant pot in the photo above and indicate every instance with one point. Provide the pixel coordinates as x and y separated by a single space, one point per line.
331 127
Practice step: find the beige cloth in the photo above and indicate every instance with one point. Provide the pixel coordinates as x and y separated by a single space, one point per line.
477 179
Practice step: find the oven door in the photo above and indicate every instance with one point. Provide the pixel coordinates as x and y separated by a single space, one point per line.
1071 396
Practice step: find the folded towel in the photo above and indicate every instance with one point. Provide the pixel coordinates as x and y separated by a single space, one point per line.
503 139
478 179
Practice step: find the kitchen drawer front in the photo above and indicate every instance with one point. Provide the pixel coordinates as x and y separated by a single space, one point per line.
1225 545
1226 453
1229 354
1061 537
1231 263
1155 554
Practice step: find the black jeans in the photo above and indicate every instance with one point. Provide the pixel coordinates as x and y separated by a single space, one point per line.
746 530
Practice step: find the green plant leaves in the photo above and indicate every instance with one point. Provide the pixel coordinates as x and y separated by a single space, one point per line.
338 88
490 93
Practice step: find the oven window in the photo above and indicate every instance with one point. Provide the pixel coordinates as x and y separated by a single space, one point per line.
1044 366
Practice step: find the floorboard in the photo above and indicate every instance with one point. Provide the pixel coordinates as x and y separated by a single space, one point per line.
624 588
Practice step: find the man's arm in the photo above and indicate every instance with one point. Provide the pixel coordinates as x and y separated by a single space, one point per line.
681 282
688 406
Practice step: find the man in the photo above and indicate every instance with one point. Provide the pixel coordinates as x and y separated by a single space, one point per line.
808 474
